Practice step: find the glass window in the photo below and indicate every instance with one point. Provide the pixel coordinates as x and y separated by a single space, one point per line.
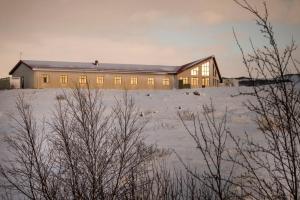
194 81
205 69
82 79
150 81
100 80
63 79
45 78
166 81
133 80
194 72
185 80
118 80
205 82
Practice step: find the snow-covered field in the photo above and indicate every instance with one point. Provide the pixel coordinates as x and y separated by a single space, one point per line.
164 129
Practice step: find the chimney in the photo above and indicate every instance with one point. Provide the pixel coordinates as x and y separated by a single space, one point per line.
96 63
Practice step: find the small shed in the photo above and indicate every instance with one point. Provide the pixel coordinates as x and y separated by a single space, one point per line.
10 83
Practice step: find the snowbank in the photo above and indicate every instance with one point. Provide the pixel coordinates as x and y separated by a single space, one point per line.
164 128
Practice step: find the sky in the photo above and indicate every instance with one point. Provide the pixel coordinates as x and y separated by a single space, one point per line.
164 32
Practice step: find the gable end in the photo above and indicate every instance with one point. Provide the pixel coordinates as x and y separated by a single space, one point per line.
17 66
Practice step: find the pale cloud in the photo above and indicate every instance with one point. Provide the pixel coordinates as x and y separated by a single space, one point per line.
127 31
212 17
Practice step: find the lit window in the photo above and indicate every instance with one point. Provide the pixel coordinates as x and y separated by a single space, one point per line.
82 79
45 78
194 72
205 82
63 79
185 81
100 80
133 80
194 81
166 81
118 80
150 81
205 69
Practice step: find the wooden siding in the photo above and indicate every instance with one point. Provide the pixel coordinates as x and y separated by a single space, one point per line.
108 82
212 76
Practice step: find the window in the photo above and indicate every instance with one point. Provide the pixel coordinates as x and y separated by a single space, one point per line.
150 81
82 79
205 69
118 80
194 72
194 81
63 79
100 80
133 80
185 81
166 81
205 82
45 78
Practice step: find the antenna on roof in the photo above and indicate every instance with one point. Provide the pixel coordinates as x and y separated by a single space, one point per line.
21 55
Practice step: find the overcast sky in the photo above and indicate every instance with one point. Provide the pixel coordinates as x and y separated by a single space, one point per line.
168 32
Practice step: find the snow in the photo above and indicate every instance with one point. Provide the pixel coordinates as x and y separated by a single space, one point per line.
101 66
164 129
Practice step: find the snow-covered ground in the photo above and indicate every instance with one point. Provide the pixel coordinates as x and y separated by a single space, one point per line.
164 129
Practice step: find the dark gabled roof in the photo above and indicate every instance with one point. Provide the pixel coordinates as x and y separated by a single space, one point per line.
17 65
85 66
192 64
111 67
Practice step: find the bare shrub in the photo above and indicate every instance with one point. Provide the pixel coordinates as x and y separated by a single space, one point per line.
186 115
271 165
175 185
60 97
88 154
211 140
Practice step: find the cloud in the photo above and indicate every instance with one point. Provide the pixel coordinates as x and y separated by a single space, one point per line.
128 31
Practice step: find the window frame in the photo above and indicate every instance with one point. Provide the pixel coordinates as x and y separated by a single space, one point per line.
195 71
118 80
205 69
45 76
133 80
100 80
194 80
185 80
150 81
205 81
83 79
63 79
166 81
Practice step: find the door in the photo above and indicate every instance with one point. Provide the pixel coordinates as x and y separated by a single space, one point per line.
22 82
